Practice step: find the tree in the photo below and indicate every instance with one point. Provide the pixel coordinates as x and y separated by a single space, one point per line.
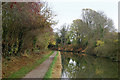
58 40
63 35
23 23
102 38
79 32
98 23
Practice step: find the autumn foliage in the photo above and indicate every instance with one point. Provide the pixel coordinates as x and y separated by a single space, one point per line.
24 25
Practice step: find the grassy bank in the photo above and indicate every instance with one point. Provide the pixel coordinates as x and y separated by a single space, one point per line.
49 72
56 72
27 68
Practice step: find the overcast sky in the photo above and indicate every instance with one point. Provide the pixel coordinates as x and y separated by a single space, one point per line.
69 10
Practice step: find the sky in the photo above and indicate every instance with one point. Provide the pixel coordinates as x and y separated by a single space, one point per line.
69 10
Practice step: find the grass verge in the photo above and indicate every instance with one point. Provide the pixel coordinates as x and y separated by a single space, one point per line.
49 72
57 69
24 70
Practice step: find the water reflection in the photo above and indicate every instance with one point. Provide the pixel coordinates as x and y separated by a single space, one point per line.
77 66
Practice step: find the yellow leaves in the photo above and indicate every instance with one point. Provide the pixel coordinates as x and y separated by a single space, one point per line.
25 55
54 42
116 40
100 43
99 71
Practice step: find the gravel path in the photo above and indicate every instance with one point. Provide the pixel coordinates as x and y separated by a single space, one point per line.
41 70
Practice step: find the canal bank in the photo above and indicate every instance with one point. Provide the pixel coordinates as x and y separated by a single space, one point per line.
57 69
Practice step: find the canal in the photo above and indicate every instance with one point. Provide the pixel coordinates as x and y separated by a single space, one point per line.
86 66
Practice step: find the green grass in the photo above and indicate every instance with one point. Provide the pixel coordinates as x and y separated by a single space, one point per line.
49 72
24 70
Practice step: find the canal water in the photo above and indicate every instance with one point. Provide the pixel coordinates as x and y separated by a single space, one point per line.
86 66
